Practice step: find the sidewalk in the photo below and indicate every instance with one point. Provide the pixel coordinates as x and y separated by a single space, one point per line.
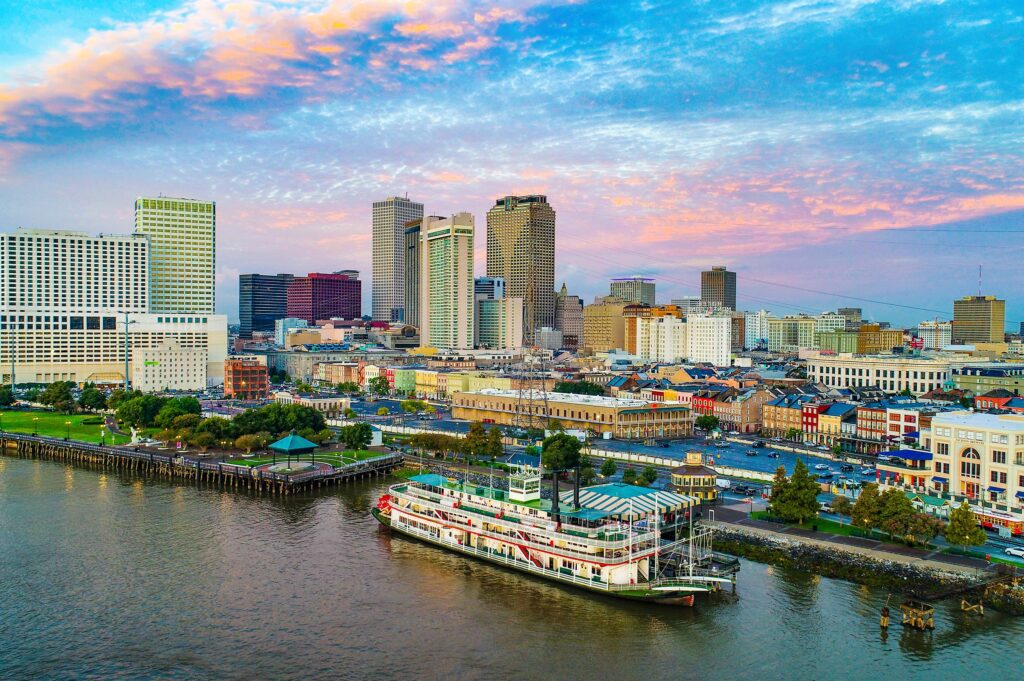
736 515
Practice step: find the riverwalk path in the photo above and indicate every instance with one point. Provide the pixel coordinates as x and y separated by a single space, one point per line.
736 516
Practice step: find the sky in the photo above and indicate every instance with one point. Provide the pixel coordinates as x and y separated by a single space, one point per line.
832 152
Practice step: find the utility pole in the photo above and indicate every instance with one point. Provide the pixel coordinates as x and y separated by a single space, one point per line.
127 380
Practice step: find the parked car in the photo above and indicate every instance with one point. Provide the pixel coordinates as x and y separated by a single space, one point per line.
846 468
1015 551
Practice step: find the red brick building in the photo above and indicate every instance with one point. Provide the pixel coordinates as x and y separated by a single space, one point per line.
246 378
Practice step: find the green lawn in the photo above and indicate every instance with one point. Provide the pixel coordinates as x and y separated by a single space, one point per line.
333 458
51 424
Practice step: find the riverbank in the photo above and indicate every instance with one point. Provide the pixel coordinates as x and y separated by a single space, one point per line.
910 575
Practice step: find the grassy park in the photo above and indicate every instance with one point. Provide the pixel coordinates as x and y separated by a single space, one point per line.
336 458
83 427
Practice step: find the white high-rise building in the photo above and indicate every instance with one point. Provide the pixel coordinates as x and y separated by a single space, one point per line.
64 302
447 304
389 251
661 339
182 252
755 329
829 321
935 334
709 339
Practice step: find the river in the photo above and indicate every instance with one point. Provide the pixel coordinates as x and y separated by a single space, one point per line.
111 577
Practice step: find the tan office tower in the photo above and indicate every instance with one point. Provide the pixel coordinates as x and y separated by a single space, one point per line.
718 285
389 220
182 252
521 250
447 307
979 319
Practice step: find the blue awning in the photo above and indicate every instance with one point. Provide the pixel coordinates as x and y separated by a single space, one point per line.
936 478
997 490
1020 495
910 455
912 434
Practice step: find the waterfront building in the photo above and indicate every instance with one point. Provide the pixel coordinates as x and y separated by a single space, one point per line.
979 319
447 306
634 289
569 319
755 329
623 418
168 366
390 217
282 327
521 250
246 378
262 300
980 378
604 327
935 334
320 296
499 324
695 478
892 373
718 286
872 339
66 298
791 334
182 252
709 339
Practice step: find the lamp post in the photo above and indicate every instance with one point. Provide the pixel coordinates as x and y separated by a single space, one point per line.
103 440
67 431
35 425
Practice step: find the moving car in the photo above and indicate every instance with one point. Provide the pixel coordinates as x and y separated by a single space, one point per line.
1016 551
751 452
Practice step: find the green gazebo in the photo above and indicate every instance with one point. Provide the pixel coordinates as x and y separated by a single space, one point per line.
293 445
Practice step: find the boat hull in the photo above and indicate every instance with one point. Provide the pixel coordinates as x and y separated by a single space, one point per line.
668 597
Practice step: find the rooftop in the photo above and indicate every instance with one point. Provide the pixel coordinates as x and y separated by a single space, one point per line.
977 420
564 398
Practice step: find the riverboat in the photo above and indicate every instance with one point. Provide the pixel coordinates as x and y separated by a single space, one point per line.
619 540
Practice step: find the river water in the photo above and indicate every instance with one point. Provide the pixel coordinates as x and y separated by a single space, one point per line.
108 576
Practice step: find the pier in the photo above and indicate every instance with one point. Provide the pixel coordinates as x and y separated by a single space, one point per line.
181 467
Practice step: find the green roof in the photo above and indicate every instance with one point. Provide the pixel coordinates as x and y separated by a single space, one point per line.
927 499
293 444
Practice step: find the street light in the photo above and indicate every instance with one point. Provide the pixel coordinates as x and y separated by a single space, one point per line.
67 431
102 437
35 425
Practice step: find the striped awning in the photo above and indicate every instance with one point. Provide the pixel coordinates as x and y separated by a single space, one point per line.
620 499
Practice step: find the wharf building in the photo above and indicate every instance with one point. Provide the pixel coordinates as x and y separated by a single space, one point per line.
182 252
66 299
625 419
521 250
262 300
390 217
318 296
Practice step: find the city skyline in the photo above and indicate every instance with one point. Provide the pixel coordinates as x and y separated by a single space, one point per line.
752 142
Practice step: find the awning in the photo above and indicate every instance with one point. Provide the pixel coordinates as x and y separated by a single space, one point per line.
1020 495
997 490
912 434
910 455
937 479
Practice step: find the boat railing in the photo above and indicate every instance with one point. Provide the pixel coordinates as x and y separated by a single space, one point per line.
552 535
532 522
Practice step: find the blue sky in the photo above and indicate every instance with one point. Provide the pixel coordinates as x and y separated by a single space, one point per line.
828 151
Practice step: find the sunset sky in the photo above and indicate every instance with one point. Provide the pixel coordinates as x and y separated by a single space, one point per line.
829 150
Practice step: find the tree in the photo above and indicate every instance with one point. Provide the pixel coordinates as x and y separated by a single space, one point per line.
493 447
561 452
555 426
841 505
792 433
356 436
140 411
837 449
220 428
378 385
32 394
649 475
412 406
58 395
798 500
706 422
963 529
587 475
608 468
430 409
6 396
629 476
476 439
247 443
348 387
91 398
350 413
895 512
922 528
202 440
383 411
780 488
578 388
117 397
866 511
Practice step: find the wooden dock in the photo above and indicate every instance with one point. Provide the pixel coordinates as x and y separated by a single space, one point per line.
189 468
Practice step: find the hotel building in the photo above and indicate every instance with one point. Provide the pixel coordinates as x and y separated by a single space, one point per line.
389 245
446 307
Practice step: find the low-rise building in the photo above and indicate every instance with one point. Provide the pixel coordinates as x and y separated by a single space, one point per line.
978 379
892 373
246 378
331 406
695 478
622 418
169 366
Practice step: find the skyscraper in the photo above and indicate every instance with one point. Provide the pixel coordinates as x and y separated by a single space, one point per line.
489 288
447 305
411 276
325 296
262 299
718 286
569 318
389 223
521 249
634 289
182 252
979 319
